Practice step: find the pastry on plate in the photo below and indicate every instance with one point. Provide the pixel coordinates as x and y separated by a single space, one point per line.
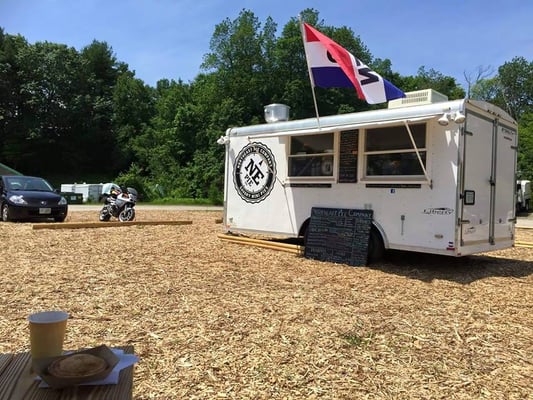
77 366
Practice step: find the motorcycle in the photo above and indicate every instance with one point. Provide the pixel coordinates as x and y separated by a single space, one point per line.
119 204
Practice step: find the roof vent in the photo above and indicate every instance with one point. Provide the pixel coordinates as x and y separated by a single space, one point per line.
276 113
418 98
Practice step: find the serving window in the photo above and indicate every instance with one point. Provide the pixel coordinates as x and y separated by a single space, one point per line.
311 155
389 151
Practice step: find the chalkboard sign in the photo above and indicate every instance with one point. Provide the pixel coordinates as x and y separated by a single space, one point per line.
338 235
348 156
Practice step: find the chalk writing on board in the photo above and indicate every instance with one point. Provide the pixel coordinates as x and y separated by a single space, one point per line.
348 156
339 235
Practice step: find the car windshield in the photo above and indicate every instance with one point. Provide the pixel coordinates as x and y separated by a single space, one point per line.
28 183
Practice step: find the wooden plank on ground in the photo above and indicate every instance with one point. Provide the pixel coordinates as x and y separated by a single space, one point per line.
267 244
111 224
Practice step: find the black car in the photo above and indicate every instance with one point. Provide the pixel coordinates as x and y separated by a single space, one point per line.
30 197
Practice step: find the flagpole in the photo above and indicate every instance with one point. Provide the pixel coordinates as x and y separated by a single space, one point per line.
309 71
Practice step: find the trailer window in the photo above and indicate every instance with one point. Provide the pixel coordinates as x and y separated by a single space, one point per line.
389 151
311 155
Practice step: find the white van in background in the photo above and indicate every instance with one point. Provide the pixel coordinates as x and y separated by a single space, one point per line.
523 195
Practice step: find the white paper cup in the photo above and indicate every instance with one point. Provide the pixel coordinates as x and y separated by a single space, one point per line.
47 333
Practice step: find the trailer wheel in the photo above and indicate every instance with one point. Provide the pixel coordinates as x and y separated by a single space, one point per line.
376 248
304 230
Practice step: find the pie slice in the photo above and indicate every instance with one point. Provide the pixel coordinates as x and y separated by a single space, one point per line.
77 366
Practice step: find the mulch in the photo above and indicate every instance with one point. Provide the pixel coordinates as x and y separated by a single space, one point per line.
211 319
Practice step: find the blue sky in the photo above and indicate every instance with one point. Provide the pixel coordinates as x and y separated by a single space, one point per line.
168 38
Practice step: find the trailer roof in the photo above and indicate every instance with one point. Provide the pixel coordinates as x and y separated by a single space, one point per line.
367 118
492 109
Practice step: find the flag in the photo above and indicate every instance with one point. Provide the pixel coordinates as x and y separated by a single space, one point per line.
331 65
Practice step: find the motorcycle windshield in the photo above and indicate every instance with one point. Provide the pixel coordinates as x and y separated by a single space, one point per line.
133 194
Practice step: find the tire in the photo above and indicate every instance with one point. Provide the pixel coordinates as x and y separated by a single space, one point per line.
59 219
104 215
127 214
5 213
376 248
304 230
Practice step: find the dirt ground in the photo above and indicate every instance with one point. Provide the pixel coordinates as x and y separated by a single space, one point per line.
211 319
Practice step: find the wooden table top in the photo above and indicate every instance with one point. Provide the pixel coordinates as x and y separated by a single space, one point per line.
17 381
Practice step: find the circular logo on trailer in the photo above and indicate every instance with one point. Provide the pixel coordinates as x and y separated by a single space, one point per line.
254 172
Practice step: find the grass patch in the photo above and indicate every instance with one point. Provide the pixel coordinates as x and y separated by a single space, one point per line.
357 339
181 202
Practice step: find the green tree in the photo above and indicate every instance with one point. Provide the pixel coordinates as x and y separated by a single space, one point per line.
133 108
99 75
167 143
49 83
432 79
525 147
239 59
57 108
487 90
12 121
511 89
516 80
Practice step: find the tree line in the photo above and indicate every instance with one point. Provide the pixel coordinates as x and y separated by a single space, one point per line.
81 115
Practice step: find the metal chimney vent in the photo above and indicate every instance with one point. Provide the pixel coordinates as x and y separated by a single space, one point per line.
276 113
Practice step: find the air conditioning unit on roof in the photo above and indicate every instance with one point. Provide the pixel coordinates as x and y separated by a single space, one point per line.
418 98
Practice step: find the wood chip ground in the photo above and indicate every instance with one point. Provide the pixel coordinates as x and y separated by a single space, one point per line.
211 319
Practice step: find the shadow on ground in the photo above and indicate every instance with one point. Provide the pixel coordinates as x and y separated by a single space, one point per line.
464 270
428 267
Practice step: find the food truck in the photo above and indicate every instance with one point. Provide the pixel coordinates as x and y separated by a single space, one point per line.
438 175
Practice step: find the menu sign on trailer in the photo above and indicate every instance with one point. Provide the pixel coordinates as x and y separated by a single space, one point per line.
339 235
348 156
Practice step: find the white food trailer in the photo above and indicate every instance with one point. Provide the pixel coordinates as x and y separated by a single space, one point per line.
438 175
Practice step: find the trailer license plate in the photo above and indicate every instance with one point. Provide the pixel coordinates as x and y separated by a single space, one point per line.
45 210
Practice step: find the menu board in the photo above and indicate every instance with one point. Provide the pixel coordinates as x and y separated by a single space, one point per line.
339 235
348 156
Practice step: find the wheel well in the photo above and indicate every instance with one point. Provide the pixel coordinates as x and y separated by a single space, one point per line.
376 245
381 234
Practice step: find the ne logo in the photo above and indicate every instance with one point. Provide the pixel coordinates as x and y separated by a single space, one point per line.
254 172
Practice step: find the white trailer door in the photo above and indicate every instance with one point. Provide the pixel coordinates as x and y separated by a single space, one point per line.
478 159
487 192
506 158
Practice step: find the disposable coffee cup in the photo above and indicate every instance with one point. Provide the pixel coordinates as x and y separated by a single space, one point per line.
47 333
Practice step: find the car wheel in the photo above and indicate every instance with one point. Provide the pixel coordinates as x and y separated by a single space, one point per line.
59 219
5 212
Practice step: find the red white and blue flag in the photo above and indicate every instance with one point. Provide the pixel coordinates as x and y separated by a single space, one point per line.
331 65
